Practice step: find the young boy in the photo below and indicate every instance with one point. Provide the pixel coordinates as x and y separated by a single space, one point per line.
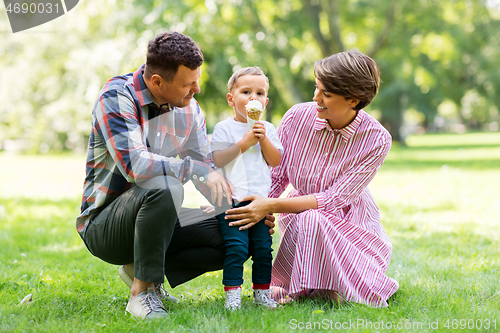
245 155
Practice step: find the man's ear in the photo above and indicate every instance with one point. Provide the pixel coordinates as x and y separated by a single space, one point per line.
230 101
156 80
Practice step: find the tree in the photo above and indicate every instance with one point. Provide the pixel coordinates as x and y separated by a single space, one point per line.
431 53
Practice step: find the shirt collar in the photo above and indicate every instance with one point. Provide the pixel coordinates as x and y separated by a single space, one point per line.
345 132
144 96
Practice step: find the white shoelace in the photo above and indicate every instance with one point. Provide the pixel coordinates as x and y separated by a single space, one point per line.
152 303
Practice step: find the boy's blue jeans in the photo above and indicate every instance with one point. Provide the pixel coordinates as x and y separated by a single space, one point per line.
240 245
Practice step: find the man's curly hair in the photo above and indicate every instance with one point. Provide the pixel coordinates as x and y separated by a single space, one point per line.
167 51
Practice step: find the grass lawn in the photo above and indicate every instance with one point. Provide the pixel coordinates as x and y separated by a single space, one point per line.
440 204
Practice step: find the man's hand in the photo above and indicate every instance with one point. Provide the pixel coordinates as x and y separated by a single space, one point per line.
269 221
219 187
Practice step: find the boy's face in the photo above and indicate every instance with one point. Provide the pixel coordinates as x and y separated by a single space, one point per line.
246 89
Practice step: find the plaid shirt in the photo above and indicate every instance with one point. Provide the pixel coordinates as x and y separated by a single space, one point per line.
132 139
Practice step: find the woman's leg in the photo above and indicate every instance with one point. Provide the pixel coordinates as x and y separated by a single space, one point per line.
326 253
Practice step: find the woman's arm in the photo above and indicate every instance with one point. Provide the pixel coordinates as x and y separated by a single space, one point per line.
249 215
349 186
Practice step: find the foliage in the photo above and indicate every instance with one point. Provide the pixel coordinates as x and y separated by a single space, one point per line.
439 59
438 208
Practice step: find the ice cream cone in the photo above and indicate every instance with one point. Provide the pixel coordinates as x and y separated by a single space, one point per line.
254 111
254 114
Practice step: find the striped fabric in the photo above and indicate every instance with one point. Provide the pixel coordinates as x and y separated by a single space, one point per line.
342 245
132 139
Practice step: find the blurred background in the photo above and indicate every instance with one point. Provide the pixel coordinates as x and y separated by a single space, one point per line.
440 60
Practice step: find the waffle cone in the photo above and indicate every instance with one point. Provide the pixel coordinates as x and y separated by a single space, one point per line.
254 114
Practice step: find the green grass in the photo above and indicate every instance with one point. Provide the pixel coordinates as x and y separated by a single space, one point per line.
440 206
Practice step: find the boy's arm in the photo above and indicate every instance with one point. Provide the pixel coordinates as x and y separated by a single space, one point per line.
271 154
223 157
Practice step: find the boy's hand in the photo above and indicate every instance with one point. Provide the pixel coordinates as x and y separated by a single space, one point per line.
259 130
250 139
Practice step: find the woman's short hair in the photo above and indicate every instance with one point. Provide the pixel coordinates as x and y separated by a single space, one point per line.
350 74
245 71
167 51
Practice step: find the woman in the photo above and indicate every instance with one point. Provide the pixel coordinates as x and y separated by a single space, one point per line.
332 241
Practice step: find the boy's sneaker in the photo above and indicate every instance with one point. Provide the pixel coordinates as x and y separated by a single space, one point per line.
233 299
146 305
264 297
126 274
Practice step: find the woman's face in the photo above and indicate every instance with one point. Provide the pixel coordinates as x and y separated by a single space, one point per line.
334 108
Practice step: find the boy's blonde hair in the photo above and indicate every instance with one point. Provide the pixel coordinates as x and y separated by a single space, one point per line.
245 71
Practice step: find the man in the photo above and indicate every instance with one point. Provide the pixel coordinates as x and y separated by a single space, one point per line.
130 213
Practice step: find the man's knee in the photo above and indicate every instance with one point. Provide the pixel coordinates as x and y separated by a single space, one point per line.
169 187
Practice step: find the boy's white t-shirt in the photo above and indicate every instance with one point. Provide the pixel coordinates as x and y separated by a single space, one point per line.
249 172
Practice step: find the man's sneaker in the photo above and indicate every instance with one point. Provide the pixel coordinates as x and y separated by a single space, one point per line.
264 297
146 305
126 274
163 293
233 299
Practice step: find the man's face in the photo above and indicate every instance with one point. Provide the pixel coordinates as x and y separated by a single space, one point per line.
182 88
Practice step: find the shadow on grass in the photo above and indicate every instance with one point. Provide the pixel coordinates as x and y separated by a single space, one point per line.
30 202
449 147
420 165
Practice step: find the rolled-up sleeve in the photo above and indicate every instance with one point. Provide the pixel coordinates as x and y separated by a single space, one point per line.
353 182
279 174
118 126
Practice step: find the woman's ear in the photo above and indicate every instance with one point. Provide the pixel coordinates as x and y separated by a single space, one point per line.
229 98
354 102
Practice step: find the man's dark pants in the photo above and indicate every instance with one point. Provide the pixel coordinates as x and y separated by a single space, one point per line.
142 226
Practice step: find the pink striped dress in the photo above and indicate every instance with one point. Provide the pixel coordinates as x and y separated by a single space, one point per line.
342 245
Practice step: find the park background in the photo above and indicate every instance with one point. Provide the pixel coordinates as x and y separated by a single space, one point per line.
437 191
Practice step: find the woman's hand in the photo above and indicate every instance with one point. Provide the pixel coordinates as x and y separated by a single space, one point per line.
247 216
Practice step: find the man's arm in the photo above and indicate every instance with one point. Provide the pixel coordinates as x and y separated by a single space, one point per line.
116 122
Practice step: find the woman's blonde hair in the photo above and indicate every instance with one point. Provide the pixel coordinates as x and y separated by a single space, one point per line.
350 74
